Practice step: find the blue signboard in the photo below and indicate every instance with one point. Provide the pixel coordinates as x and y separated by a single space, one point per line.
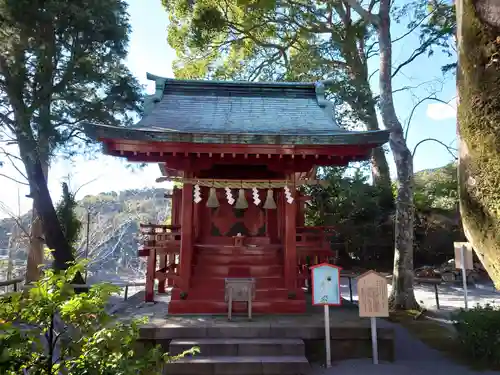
325 284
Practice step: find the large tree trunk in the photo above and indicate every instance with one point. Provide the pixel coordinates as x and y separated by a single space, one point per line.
36 250
11 250
53 234
368 115
380 168
479 128
402 295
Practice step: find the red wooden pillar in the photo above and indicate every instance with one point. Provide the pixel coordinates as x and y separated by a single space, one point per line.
301 210
176 202
162 284
290 242
150 276
186 235
280 216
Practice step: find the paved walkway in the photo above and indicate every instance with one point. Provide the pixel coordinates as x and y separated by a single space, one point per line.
412 358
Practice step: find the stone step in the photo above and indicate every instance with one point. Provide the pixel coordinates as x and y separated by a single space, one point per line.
239 365
240 346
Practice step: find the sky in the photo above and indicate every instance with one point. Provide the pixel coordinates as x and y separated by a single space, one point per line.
150 52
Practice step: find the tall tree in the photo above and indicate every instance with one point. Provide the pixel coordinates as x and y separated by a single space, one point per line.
294 40
61 63
479 128
310 40
279 40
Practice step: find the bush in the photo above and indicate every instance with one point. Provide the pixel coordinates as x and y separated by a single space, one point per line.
479 334
52 330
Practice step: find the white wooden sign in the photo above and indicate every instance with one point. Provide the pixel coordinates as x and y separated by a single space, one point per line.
372 294
373 303
468 255
464 261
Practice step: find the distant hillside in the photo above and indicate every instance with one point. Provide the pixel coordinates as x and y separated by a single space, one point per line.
113 234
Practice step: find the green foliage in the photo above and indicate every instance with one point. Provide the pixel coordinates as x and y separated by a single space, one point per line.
66 213
437 189
61 65
478 333
356 210
66 60
52 330
435 21
294 41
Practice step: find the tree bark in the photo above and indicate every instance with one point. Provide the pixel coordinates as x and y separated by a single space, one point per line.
402 295
53 233
36 250
380 168
478 27
11 246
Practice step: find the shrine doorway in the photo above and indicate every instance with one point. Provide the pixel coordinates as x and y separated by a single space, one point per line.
226 221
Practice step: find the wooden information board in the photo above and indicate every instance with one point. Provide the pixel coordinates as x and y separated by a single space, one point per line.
468 258
372 294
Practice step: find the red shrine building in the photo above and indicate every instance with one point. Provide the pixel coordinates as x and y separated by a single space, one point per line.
238 153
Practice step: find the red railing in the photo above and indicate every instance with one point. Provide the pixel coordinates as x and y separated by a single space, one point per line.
313 247
161 246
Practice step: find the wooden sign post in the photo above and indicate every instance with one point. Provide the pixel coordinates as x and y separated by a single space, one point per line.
373 303
326 291
464 261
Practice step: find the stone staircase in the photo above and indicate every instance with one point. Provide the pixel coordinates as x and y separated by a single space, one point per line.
239 356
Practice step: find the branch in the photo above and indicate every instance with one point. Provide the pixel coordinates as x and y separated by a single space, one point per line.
365 14
448 148
6 210
416 53
413 28
404 88
10 157
14 180
430 97
85 184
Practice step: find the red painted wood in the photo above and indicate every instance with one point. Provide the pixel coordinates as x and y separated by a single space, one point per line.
150 276
229 149
232 251
163 283
176 202
218 282
216 242
290 258
202 293
239 270
197 217
278 197
219 307
301 210
186 235
234 259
